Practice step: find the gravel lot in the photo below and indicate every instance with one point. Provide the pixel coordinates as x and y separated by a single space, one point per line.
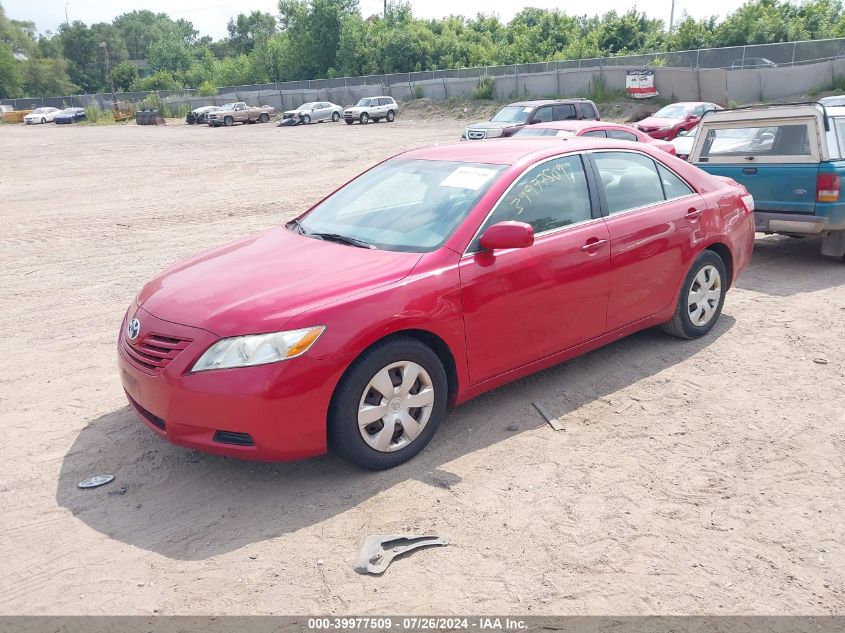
691 478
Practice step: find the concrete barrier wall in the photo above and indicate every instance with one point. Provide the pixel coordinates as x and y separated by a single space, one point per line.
717 85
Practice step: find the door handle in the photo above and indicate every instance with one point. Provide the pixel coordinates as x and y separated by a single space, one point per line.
693 213
749 170
593 244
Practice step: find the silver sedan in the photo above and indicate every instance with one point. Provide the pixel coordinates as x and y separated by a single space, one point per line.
313 112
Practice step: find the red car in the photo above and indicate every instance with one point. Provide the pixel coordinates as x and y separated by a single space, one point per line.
435 276
668 121
597 129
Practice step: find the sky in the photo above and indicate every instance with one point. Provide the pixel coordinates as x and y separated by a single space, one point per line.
210 16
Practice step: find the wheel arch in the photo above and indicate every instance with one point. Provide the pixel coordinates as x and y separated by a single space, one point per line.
724 253
427 338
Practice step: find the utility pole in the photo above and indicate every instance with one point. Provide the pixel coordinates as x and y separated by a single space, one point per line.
105 47
67 22
672 17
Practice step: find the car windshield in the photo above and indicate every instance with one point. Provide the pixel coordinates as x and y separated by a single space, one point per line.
404 205
68 111
673 112
533 131
512 114
228 106
306 106
39 111
363 103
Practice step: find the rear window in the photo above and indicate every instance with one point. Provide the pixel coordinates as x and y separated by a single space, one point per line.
536 131
773 140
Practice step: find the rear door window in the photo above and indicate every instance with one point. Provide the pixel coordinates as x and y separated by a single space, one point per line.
622 135
565 112
629 180
596 133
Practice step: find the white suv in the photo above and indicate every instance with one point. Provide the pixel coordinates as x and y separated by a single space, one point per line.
372 109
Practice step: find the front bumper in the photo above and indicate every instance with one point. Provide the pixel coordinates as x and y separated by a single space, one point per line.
274 412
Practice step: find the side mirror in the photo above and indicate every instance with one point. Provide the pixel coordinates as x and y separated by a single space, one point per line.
507 235
532 121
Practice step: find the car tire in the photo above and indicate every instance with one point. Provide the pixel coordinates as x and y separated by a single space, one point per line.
349 121
43 120
364 118
306 119
263 117
335 117
228 121
701 298
368 446
391 116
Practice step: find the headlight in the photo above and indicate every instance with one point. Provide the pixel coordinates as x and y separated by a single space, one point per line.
258 349
493 133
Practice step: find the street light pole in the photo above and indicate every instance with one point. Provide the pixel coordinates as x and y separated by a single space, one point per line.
672 17
105 47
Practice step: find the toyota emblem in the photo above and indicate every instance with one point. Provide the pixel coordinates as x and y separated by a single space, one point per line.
133 329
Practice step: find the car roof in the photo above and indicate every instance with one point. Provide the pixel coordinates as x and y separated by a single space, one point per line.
510 151
539 102
579 125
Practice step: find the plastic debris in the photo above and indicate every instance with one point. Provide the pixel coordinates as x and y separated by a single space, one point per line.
379 550
96 481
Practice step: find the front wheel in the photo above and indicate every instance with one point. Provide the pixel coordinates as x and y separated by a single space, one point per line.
364 117
701 299
335 117
389 404
228 121
43 120
306 119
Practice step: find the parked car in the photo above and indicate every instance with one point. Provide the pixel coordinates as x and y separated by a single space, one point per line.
753 62
70 115
315 111
372 109
683 142
239 112
792 160
513 117
667 122
596 129
833 100
429 279
40 115
199 116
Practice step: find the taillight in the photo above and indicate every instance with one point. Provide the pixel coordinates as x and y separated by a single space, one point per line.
748 201
827 187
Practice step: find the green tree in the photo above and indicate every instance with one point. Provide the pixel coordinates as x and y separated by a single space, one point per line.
245 31
10 73
124 74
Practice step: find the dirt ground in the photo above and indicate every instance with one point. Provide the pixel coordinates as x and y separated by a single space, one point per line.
701 477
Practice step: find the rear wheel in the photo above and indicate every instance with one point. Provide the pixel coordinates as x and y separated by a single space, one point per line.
335 117
389 404
701 299
391 116
264 117
364 118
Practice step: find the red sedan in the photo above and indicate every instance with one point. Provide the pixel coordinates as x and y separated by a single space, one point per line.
596 129
667 122
433 277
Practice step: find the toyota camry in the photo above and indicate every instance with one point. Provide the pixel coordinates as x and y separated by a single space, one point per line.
434 276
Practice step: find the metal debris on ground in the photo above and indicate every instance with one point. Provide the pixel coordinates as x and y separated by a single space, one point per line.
553 421
96 481
379 550
117 493
820 361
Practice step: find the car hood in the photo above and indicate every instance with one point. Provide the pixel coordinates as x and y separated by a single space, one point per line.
292 112
259 283
658 122
493 125
683 144
356 108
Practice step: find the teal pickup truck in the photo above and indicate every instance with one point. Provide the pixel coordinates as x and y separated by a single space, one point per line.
790 157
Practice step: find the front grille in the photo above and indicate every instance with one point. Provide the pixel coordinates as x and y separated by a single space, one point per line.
231 437
154 351
149 417
476 134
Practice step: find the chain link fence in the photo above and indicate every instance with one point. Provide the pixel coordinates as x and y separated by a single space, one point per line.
729 58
